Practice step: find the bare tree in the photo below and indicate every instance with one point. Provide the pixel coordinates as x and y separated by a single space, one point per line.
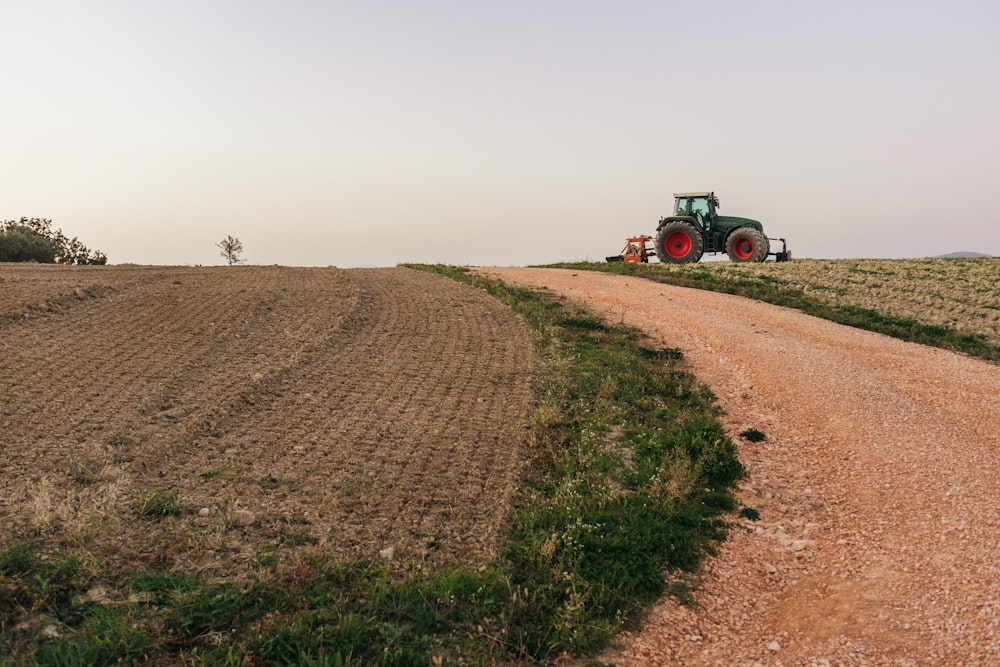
231 250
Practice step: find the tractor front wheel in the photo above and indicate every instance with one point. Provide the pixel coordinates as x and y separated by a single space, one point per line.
747 245
679 242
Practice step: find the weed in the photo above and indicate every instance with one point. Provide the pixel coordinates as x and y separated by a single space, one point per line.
266 558
221 472
269 482
157 505
753 435
298 535
102 637
34 580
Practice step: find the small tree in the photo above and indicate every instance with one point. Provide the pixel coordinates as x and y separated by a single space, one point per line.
231 250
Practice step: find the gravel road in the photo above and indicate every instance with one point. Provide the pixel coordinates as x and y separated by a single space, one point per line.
879 534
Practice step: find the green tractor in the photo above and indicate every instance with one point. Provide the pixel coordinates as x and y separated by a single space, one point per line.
696 228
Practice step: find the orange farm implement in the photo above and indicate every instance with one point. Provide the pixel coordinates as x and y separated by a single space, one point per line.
636 251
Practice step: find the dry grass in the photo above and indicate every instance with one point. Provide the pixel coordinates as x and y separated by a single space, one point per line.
960 294
57 506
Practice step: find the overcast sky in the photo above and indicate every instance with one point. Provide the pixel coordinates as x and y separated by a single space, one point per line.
370 133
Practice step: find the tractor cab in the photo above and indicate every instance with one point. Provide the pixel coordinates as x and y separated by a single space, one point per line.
701 206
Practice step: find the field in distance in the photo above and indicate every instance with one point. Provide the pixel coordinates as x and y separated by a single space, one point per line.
960 295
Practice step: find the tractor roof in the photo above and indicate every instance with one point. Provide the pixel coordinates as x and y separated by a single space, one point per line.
693 194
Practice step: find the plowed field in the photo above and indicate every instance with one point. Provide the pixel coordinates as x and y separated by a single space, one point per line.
370 411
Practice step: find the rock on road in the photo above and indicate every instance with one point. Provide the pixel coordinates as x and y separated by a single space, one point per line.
879 534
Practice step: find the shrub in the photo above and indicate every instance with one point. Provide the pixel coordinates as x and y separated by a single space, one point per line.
34 240
22 244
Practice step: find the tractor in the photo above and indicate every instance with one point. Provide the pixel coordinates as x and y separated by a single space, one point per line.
696 228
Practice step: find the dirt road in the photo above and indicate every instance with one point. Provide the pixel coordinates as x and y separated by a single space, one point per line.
879 534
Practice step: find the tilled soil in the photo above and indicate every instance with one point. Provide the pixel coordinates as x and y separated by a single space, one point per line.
878 541
376 413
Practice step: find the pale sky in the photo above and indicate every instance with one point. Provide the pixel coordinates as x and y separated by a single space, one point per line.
360 133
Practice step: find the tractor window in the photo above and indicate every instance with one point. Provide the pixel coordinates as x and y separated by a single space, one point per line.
696 207
699 211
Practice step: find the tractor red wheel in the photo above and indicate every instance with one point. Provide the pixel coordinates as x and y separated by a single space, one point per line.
679 242
743 249
678 245
747 245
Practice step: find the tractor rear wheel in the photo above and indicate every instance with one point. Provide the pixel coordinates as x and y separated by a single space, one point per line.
747 245
679 242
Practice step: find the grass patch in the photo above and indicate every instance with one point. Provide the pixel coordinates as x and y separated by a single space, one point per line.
630 480
156 505
742 280
221 472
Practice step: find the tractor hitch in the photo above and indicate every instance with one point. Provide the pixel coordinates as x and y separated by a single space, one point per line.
782 255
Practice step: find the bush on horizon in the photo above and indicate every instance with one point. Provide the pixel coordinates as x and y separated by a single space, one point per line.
34 240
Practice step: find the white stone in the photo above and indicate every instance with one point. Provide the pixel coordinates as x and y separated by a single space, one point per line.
95 594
